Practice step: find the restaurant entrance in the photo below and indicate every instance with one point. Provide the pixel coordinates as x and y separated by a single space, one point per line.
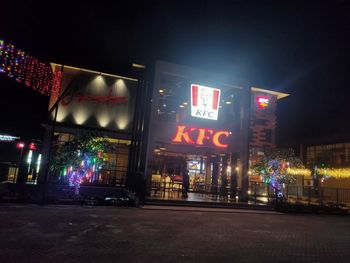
175 175
198 133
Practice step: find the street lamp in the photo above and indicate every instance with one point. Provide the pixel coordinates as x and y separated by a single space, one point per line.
20 145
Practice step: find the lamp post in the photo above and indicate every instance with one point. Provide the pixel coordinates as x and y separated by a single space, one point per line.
20 145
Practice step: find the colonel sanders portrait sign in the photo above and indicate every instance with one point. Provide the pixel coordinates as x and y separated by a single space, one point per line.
204 102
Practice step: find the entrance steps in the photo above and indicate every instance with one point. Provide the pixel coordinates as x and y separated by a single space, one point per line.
185 203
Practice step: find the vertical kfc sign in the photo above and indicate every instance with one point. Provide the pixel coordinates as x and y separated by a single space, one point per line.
262 101
204 102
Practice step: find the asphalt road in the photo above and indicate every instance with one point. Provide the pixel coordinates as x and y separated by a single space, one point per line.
31 233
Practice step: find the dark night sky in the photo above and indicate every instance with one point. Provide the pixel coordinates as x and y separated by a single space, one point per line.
299 47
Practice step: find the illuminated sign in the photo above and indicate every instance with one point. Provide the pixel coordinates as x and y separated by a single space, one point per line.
201 136
80 97
262 101
7 138
95 100
32 146
204 102
20 145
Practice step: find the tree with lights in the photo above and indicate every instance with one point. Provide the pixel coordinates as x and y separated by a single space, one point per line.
80 159
274 168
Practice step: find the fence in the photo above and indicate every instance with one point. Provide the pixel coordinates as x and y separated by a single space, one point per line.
325 196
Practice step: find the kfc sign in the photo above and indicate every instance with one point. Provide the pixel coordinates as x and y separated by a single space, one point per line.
201 136
204 102
262 101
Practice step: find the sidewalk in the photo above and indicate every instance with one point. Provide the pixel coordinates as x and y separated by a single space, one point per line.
208 209
204 204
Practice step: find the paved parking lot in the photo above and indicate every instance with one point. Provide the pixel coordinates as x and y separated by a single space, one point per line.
31 233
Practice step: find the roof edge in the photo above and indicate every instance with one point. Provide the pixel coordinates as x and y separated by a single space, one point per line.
93 71
280 95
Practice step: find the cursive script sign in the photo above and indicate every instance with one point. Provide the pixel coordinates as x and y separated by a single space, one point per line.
80 97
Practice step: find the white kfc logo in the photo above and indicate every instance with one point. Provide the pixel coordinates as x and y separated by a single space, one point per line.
204 102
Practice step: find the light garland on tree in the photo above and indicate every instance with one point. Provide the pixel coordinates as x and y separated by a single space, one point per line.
15 63
80 160
299 171
86 172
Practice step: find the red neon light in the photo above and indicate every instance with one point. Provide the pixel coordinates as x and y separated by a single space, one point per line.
20 145
182 135
216 138
262 101
80 97
203 136
32 146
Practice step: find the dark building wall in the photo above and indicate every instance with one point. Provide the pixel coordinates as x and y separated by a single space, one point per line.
263 122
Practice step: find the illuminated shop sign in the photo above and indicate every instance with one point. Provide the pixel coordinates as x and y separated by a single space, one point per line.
201 136
7 138
81 97
204 102
95 100
262 101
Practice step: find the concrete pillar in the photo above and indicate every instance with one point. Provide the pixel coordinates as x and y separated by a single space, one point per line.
46 155
234 163
224 182
207 173
215 175
244 147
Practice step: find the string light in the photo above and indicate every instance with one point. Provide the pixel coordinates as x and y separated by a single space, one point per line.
56 84
339 173
37 75
299 171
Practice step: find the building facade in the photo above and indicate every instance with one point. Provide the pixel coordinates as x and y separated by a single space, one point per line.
194 132
94 108
209 124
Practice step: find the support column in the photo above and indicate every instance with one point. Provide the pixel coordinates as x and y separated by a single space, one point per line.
215 176
208 174
45 153
234 163
244 151
224 183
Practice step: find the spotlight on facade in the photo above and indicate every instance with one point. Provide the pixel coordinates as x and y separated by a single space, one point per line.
138 66
80 116
103 120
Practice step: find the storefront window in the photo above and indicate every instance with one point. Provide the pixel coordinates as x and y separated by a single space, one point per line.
89 160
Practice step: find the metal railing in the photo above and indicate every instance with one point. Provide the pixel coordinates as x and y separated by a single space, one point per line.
319 196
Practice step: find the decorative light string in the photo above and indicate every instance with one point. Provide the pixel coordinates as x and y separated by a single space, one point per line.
299 171
56 84
338 173
26 69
